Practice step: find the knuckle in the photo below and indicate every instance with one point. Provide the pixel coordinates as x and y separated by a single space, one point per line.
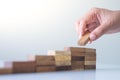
95 9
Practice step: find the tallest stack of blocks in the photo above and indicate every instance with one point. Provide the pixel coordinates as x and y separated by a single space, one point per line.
82 58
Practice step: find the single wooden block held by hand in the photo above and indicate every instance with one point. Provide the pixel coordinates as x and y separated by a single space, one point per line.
84 39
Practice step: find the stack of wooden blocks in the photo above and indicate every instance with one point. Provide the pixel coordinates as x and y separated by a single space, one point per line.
82 58
45 63
62 59
71 58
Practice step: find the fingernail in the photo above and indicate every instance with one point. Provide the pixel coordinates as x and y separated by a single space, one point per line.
92 37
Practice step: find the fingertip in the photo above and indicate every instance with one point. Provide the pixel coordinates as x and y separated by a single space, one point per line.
89 42
92 37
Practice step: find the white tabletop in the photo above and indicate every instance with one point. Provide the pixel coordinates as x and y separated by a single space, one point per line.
103 74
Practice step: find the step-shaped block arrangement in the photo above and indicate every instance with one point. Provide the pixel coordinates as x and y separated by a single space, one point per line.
71 58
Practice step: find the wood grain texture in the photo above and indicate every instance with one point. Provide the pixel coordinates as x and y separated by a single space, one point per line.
44 58
63 63
62 57
84 39
63 68
87 58
79 49
77 63
90 62
45 68
91 54
24 67
77 58
90 50
90 67
80 67
74 49
77 54
45 63
6 70
57 52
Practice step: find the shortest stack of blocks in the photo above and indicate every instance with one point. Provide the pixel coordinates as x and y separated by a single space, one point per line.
71 58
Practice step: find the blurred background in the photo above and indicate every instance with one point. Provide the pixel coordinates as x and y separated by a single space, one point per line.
36 26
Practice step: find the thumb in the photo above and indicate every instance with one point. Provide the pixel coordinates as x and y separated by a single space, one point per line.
98 32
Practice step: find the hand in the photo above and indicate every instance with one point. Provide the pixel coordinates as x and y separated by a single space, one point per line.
99 22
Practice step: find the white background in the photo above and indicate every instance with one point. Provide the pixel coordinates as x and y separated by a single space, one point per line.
36 26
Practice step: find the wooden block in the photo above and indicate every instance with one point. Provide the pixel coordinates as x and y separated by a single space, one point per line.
78 54
63 68
44 58
5 70
79 49
90 62
90 50
77 65
63 63
84 39
77 58
90 67
24 67
45 63
87 58
81 67
62 57
74 49
93 54
45 68
56 52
